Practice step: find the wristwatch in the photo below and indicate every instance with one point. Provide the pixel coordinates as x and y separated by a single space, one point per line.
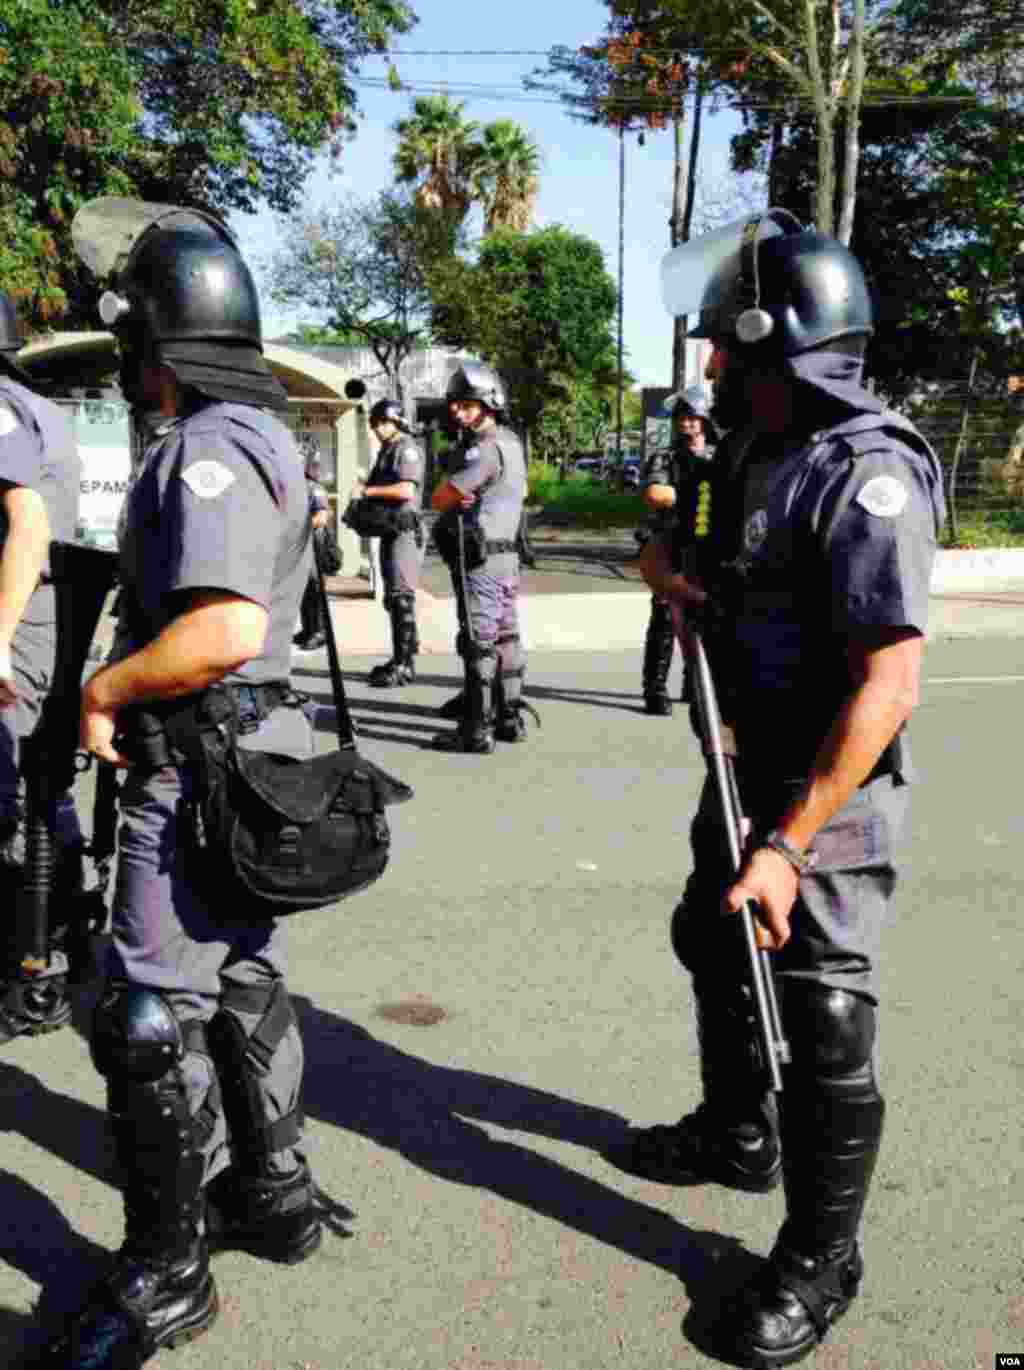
801 861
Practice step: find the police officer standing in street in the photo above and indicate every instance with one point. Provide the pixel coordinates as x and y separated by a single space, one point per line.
815 584
481 504
671 479
40 476
312 631
396 480
194 1032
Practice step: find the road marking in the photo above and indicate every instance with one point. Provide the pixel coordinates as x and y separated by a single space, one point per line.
971 679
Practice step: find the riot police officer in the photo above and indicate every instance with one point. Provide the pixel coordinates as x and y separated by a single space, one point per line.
814 579
480 504
671 476
40 475
396 479
195 1032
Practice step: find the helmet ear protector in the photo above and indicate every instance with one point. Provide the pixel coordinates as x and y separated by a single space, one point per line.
754 324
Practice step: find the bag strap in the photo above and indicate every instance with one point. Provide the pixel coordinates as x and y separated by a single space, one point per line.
343 718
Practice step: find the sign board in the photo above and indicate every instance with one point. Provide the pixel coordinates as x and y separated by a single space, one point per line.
103 436
657 428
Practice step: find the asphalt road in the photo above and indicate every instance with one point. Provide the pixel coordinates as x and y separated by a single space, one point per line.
476 1222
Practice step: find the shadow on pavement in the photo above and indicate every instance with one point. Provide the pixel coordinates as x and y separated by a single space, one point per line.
432 1116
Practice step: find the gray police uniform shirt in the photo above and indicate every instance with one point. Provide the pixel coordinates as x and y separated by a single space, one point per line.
838 538
397 461
494 467
38 451
220 502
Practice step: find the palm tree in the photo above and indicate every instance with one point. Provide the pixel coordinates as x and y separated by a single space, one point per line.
437 154
505 176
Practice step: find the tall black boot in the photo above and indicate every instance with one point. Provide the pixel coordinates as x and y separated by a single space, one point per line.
658 648
831 1117
731 1137
160 1291
401 669
475 732
265 1202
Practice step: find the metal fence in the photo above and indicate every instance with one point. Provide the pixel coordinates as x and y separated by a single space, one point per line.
980 444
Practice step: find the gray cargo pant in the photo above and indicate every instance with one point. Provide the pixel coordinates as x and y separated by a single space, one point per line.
841 905
165 937
492 605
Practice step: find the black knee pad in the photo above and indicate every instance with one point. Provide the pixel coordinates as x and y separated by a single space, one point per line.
135 1035
831 1034
481 660
243 1060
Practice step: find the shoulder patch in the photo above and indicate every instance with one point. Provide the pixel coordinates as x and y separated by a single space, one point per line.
8 420
883 496
208 479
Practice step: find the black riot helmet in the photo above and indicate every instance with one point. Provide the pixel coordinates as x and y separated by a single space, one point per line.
787 290
692 400
181 293
474 381
389 411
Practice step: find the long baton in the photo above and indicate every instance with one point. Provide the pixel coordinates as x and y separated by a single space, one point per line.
772 1041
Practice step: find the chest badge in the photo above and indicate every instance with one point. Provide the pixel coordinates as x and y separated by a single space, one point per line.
208 479
883 496
756 530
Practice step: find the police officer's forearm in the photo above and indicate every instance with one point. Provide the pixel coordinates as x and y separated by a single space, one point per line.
867 723
23 557
402 490
659 497
194 650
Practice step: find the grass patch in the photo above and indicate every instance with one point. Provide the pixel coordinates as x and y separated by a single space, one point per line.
993 528
584 501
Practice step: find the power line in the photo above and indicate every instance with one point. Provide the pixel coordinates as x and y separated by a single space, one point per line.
638 103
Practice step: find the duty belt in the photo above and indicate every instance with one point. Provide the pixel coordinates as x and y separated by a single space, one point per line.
501 545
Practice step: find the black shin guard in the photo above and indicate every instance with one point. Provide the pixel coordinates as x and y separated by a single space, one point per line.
160 1291
259 1204
831 1116
659 645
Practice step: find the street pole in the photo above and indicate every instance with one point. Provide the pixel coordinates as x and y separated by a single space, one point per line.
622 240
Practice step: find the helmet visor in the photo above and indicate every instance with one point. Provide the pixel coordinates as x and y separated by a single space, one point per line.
687 270
106 230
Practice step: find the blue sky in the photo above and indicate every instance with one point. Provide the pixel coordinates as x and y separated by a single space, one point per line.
579 180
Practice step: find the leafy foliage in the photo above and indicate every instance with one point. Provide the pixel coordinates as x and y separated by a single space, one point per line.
214 103
539 307
366 264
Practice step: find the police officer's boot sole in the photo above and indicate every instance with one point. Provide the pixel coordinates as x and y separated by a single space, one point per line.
510 728
391 675
273 1217
693 1151
785 1312
472 743
109 1334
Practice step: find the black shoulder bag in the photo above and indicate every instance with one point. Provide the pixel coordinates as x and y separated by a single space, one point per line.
273 835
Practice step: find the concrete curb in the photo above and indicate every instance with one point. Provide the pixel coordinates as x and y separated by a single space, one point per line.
978 570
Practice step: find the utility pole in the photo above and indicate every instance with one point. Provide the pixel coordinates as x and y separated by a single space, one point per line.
622 243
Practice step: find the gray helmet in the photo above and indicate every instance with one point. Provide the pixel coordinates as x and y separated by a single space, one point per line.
786 290
181 288
694 401
474 381
389 411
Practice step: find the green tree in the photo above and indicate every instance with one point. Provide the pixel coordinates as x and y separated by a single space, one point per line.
220 104
437 156
506 176
365 265
538 306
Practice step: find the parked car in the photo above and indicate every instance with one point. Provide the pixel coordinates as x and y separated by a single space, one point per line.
589 466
